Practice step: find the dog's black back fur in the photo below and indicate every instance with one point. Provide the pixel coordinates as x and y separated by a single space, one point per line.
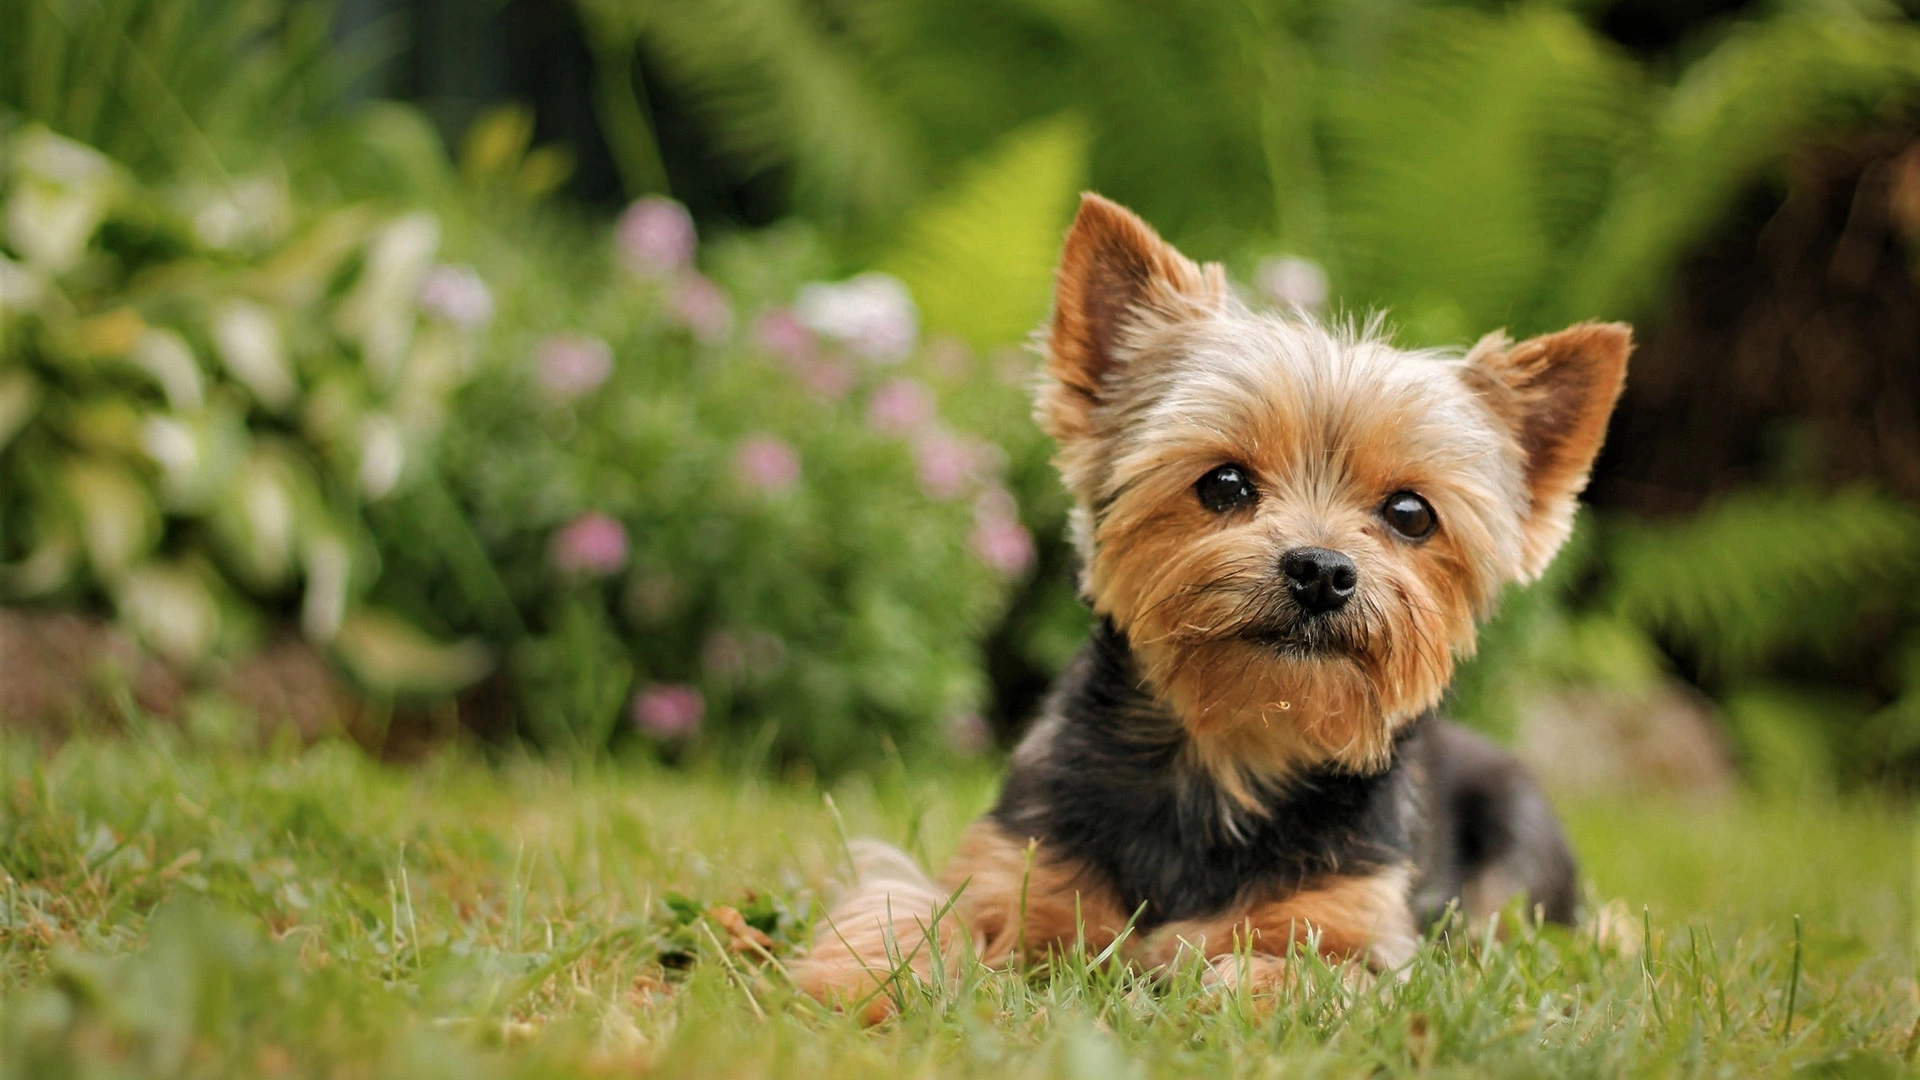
1106 781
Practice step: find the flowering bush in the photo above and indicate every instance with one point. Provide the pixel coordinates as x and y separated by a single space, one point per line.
727 512
698 498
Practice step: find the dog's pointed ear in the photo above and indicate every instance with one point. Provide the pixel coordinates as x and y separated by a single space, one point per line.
1555 393
1117 279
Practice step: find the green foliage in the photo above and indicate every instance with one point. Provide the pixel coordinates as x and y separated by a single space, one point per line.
979 256
208 384
1466 166
171 86
1757 594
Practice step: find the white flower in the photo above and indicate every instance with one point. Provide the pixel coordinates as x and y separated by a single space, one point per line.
1292 282
456 294
873 315
249 345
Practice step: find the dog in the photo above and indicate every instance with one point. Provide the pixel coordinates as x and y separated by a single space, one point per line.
1288 532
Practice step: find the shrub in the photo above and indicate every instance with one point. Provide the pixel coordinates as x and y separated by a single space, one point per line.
710 509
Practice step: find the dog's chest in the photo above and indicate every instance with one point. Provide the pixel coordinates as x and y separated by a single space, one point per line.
1172 846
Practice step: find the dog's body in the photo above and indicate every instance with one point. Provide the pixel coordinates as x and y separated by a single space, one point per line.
1288 533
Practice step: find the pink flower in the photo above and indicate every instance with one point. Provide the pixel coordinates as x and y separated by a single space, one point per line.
828 379
766 464
998 538
948 464
668 710
655 237
780 333
593 544
572 365
968 734
1004 545
899 406
457 295
702 307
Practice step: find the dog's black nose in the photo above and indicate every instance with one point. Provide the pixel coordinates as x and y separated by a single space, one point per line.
1320 580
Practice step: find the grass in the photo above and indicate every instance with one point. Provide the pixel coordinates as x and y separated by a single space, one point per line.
173 909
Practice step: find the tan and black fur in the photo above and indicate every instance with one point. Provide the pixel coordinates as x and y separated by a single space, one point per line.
1246 752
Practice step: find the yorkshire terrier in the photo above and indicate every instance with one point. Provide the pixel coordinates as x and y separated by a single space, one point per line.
1288 532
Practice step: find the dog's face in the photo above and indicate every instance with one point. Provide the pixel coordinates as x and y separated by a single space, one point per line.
1297 527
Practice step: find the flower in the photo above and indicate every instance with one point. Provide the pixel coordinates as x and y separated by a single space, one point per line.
1292 282
572 365
702 307
828 379
899 406
872 314
780 333
593 544
766 464
655 237
668 710
998 538
948 464
457 295
968 734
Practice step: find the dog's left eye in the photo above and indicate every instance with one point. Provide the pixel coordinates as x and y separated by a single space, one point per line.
1225 488
1409 515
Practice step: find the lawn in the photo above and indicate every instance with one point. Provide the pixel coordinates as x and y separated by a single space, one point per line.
172 909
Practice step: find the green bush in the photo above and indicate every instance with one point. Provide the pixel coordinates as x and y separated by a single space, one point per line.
715 509
203 388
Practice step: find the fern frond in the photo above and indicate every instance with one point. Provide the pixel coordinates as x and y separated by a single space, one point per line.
782 90
1732 114
979 256
1762 572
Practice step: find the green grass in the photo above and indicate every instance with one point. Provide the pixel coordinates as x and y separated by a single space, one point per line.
174 910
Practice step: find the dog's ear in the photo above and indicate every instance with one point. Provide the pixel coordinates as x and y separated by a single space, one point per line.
1555 393
1117 279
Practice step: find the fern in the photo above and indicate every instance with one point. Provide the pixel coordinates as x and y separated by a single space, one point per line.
781 93
979 257
169 86
1760 573
1732 114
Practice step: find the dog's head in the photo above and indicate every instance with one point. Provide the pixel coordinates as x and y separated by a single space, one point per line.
1297 526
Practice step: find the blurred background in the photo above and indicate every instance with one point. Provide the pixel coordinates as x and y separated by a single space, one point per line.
650 376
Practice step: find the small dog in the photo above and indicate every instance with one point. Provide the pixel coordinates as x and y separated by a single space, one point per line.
1288 532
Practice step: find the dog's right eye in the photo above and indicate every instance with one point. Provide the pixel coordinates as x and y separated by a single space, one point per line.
1225 488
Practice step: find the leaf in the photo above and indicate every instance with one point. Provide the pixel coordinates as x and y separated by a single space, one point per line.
979 256
392 656
1761 571
119 522
1735 111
